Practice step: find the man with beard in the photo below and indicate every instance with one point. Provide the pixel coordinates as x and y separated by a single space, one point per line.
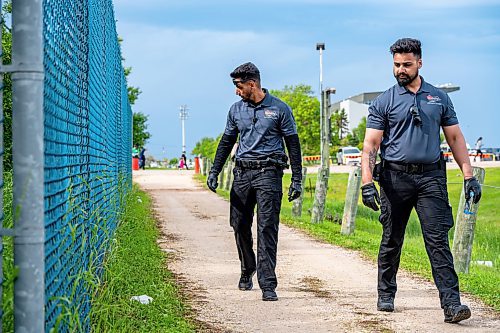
404 122
262 122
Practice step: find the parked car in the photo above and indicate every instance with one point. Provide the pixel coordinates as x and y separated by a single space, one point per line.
348 155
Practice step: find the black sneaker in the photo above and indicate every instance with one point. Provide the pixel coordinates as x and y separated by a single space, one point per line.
246 281
385 303
456 312
269 295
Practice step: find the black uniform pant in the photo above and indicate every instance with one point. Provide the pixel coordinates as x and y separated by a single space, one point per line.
427 193
261 187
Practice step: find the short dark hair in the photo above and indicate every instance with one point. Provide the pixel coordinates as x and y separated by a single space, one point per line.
245 72
407 45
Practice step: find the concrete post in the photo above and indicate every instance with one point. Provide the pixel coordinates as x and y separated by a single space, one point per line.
351 201
297 203
464 229
229 175
28 158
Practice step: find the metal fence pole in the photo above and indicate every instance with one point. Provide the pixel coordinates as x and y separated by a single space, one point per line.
27 137
351 201
464 229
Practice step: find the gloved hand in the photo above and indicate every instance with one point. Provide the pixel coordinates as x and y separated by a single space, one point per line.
370 196
472 185
212 181
294 191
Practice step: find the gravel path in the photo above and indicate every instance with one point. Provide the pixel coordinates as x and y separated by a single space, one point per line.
322 288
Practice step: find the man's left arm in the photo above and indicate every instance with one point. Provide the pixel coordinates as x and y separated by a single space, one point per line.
293 146
456 141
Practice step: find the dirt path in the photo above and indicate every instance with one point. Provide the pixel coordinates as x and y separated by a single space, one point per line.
322 288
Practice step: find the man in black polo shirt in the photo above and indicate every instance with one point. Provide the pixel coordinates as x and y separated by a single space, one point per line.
262 122
405 122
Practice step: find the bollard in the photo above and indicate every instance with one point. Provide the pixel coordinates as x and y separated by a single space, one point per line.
464 228
297 203
229 175
196 165
351 201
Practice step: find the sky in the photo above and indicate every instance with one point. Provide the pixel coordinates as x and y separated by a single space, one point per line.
182 51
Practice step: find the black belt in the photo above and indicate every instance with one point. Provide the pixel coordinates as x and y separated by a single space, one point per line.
410 167
258 164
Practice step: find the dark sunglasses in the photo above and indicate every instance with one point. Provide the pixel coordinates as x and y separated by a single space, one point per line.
236 82
415 113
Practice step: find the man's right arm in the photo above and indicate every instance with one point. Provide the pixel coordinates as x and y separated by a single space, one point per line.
371 144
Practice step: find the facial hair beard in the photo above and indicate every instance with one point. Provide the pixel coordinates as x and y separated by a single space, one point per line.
405 80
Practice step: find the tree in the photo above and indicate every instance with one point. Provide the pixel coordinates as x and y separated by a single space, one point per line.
305 107
206 147
359 132
139 133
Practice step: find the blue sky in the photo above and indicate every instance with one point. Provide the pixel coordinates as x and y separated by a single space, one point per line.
182 52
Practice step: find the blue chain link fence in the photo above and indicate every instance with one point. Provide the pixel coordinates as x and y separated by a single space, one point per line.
87 137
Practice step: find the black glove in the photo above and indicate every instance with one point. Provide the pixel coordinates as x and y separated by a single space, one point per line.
294 191
370 196
212 181
472 185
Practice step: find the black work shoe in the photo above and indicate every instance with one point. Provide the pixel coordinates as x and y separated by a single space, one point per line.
456 312
269 295
246 281
385 303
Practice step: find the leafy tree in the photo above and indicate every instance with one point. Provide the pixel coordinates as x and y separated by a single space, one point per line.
305 107
206 147
340 126
140 135
359 132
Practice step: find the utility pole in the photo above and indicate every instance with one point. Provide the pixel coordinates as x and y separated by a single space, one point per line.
324 170
183 115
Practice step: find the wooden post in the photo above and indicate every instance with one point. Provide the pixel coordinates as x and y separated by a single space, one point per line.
222 177
464 228
318 208
351 201
229 175
297 203
202 165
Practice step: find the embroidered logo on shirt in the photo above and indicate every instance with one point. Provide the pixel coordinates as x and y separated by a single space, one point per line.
433 100
272 114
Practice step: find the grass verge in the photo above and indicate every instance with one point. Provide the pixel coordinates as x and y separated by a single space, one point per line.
482 282
137 266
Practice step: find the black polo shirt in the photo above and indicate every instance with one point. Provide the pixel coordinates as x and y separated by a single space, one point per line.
403 141
261 127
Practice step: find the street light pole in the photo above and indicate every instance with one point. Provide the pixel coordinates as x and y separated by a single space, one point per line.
183 115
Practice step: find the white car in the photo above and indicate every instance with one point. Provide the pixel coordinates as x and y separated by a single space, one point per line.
349 155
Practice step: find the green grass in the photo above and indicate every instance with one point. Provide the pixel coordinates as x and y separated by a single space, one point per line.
482 281
136 266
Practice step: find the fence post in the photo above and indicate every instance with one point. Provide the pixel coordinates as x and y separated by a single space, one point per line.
222 175
351 201
297 203
229 175
464 229
28 161
320 193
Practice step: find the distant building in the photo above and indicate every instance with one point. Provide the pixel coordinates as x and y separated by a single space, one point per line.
356 107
